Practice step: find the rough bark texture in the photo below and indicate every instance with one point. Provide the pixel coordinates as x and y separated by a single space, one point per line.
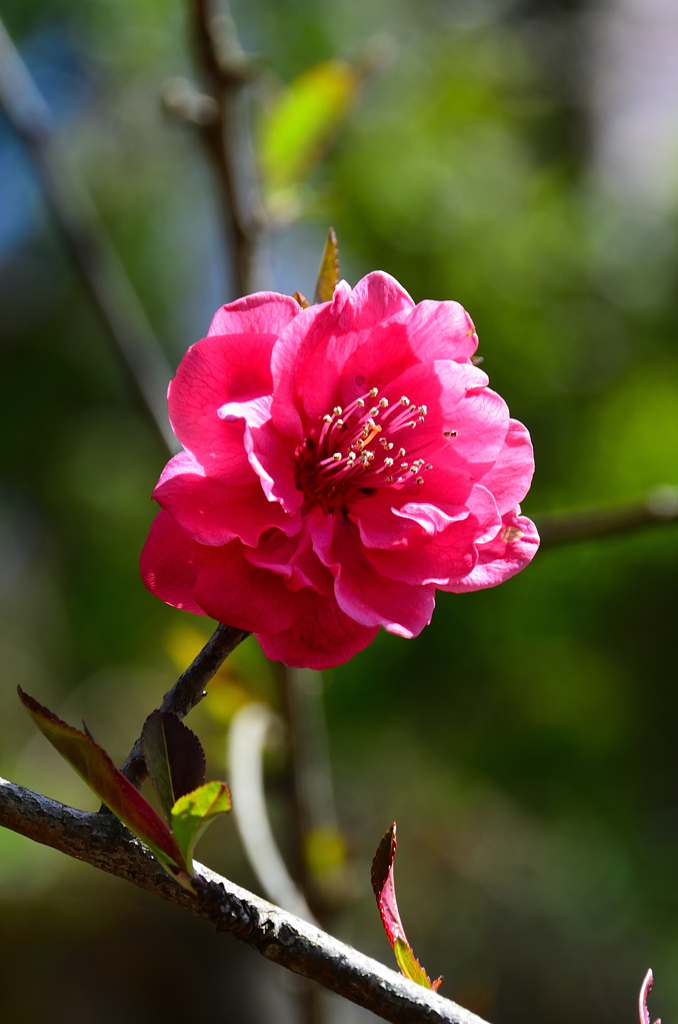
102 841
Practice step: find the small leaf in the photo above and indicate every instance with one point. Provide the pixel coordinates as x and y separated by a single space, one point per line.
174 757
95 767
384 889
384 886
642 999
301 299
301 121
328 275
193 812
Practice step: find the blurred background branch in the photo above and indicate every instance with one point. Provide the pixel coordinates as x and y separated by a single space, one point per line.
98 264
660 505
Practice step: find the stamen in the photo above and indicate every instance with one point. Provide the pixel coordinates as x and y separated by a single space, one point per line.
374 411
360 402
420 479
429 465
401 453
449 433
422 410
388 462
374 392
383 402
337 410
327 418
405 400
404 465
337 456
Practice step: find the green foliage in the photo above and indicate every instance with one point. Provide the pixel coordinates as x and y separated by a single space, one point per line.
193 812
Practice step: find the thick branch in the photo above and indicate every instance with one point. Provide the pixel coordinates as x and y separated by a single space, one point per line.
101 271
189 689
101 841
660 505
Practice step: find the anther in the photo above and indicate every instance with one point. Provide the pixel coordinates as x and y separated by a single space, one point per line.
337 456
383 442
389 479
449 433
340 423
383 402
374 411
390 445
429 465
360 403
388 462
327 418
405 400
421 419
420 479
405 465
351 457
422 410
412 424
337 410
374 392
401 453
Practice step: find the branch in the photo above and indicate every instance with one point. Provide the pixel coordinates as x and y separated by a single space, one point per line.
660 505
101 840
226 134
189 689
101 271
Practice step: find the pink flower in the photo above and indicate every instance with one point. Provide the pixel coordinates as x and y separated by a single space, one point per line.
340 463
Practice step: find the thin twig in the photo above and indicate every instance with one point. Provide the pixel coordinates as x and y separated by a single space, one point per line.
103 842
660 505
189 689
101 271
227 135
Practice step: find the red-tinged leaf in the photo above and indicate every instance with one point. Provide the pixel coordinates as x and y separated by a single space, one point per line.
645 989
174 757
328 275
384 886
95 767
193 812
384 889
301 299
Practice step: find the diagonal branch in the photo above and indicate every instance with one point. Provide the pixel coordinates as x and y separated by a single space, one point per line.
115 301
101 840
189 689
660 505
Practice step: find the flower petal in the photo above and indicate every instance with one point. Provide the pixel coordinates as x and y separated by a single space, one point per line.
367 596
325 636
234 591
168 566
260 313
513 547
213 512
510 477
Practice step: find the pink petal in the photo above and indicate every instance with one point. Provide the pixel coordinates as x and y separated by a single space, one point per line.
366 595
168 565
440 330
214 371
293 558
270 453
234 591
260 313
213 512
322 638
308 364
510 477
514 546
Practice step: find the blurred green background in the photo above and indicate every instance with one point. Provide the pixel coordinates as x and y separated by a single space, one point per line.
526 742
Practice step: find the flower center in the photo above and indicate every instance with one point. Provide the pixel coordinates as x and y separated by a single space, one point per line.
361 448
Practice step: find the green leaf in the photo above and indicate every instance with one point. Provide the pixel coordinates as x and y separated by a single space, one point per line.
174 757
95 767
301 121
328 275
192 814
409 965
